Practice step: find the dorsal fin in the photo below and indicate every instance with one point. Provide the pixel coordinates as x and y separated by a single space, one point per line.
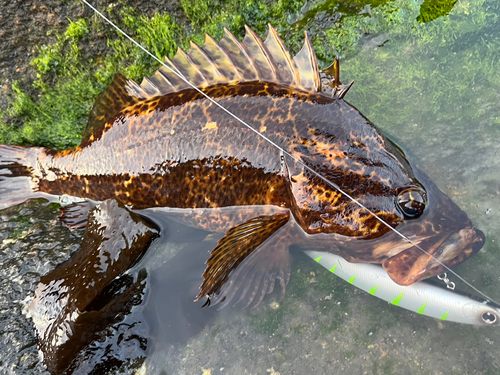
206 64
117 96
260 56
239 57
284 63
331 77
189 69
221 59
231 61
307 66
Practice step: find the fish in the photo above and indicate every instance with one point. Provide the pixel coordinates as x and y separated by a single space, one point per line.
162 146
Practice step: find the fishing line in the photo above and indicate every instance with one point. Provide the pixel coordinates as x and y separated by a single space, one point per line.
332 184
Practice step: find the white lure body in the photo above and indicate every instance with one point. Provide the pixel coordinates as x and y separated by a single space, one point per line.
421 297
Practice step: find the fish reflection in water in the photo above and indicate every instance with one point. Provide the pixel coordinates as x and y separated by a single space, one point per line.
163 148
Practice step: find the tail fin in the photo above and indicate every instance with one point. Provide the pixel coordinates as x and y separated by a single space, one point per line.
17 182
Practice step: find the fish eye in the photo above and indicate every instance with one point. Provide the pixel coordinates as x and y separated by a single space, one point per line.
411 202
488 317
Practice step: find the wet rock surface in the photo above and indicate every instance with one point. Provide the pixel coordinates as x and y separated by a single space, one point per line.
32 242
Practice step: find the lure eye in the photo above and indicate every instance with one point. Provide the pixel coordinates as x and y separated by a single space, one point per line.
411 203
488 317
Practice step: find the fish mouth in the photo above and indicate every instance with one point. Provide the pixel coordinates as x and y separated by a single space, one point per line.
412 265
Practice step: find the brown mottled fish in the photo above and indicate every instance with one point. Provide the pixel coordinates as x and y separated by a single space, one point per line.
162 146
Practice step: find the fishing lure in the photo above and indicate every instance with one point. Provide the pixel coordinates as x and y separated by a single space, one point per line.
422 297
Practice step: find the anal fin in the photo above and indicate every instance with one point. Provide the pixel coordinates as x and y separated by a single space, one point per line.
243 267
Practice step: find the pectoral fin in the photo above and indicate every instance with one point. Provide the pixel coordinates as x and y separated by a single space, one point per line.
245 265
408 266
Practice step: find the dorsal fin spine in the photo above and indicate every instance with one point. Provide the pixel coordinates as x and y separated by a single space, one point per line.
220 56
165 78
155 90
288 72
190 70
307 66
134 89
241 48
266 65
231 61
172 66
207 64
177 82
314 62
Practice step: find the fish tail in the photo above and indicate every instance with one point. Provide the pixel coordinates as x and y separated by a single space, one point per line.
17 180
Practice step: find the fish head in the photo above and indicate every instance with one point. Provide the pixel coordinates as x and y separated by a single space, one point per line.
366 170
442 236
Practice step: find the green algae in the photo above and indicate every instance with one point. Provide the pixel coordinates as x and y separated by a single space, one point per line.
300 329
384 366
56 119
432 9
53 119
160 35
268 321
69 82
211 16
62 56
448 76
22 224
210 338
21 229
350 354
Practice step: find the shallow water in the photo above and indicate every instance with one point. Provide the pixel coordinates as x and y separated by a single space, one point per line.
434 89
